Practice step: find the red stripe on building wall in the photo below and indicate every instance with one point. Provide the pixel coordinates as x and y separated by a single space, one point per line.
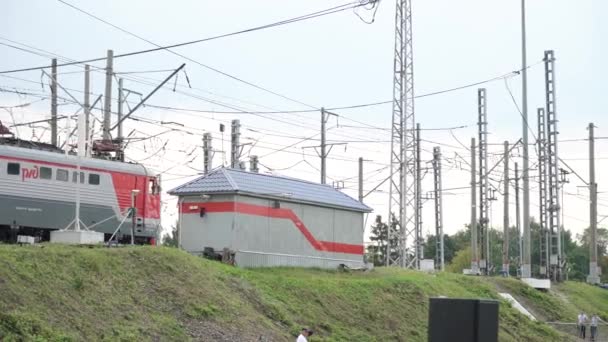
282 213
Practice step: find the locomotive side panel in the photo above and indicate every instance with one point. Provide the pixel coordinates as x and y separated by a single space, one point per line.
42 194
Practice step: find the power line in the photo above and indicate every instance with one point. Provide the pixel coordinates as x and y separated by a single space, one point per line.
313 15
278 112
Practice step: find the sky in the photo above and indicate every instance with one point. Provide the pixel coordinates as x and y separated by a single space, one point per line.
332 61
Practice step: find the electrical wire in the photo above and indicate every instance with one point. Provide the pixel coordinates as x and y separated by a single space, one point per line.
519 110
313 15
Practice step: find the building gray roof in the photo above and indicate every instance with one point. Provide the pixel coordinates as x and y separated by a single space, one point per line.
226 181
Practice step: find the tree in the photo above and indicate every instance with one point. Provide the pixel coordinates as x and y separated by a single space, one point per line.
577 253
602 240
376 252
449 247
170 240
461 260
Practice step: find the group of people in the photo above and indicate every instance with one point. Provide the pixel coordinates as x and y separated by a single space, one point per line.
582 326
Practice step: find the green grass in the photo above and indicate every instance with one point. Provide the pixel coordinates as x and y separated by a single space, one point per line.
63 293
587 298
563 302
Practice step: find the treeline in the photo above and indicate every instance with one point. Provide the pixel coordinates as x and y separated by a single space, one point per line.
457 249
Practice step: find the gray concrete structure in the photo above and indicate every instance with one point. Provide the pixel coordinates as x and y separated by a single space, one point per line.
271 221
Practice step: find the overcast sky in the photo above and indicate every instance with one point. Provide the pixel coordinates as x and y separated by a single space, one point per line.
335 60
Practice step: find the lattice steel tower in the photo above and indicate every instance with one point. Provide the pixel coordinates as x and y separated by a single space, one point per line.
555 257
483 180
402 195
542 191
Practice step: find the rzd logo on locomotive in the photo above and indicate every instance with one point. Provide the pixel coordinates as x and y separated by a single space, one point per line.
29 173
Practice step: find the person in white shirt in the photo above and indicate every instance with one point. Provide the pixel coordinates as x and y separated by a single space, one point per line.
582 329
304 334
594 321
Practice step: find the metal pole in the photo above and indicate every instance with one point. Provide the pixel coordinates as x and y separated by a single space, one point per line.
554 208
54 102
526 267
505 245
107 108
402 203
235 135
483 180
87 107
323 154
593 269
361 179
474 242
141 103
542 192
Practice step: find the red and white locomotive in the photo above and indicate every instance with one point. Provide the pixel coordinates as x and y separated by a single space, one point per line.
39 183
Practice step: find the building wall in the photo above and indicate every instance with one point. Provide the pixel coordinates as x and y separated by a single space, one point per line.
212 230
294 235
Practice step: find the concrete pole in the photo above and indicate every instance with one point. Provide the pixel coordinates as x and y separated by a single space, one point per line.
474 242
133 216
593 277
439 253
107 108
505 244
87 107
419 254
207 153
54 102
253 164
518 215
361 179
526 267
120 102
323 154
235 136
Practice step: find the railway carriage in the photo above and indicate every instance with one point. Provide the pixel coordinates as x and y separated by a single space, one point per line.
38 191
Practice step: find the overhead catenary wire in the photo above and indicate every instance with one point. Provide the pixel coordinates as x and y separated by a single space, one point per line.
344 107
339 8
312 15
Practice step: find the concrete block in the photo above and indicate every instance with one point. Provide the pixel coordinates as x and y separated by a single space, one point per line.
24 239
81 237
470 271
541 284
427 265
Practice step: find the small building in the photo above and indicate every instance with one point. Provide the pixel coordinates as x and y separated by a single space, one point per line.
270 220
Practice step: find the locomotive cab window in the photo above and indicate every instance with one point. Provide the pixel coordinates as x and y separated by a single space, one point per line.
63 175
153 186
12 169
75 177
93 179
46 173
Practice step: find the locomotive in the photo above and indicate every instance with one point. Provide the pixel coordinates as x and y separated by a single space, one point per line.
39 184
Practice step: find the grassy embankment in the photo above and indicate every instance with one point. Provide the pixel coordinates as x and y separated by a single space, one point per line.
74 293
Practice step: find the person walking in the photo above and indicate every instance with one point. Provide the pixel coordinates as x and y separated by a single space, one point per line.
582 329
304 334
594 321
